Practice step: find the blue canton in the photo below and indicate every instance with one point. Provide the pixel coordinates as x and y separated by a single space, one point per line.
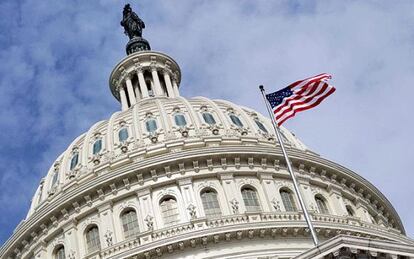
276 98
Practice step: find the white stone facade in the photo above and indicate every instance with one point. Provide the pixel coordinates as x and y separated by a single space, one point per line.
193 189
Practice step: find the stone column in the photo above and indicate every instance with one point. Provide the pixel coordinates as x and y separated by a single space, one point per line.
107 226
187 193
167 80
147 212
157 85
175 87
308 196
124 101
130 91
142 84
270 191
71 240
337 202
362 210
233 195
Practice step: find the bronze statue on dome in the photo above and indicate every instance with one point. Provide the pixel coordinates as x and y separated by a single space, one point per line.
132 24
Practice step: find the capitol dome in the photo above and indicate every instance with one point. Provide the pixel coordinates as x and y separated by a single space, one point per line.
170 177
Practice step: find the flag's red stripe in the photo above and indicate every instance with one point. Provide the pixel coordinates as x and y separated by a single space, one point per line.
308 98
310 80
308 101
300 105
331 91
299 95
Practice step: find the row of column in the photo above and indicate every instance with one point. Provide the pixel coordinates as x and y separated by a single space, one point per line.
133 94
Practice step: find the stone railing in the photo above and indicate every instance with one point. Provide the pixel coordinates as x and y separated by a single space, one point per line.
278 222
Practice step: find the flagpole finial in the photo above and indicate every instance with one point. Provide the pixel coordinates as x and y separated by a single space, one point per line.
261 88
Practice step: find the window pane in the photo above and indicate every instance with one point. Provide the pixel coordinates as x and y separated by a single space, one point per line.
288 201
261 126
349 210
236 120
169 211
180 120
97 146
123 134
151 125
322 208
92 240
74 161
250 199
55 178
130 223
210 204
60 253
208 118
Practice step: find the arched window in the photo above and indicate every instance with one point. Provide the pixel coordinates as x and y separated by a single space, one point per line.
180 120
236 120
208 118
129 223
169 211
320 202
92 239
97 146
261 126
151 125
74 161
60 252
250 199
350 211
123 134
288 200
55 178
210 203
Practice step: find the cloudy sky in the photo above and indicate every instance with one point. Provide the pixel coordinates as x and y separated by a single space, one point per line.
56 57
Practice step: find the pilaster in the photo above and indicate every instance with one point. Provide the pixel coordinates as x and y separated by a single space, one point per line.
107 225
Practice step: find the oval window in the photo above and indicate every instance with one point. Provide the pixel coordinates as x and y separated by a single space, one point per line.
208 118
123 134
97 146
180 120
74 161
236 120
261 126
151 125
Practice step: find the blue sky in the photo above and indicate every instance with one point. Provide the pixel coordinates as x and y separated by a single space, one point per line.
56 57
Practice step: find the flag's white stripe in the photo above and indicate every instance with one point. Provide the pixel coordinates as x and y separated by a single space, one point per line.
302 99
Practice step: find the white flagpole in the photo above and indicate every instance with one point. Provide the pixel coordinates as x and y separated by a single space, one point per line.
292 175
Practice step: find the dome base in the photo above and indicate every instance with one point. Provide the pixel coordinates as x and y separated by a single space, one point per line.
137 44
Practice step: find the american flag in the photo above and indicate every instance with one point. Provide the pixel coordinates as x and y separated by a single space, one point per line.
299 96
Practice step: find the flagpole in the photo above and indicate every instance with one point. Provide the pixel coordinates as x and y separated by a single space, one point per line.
292 175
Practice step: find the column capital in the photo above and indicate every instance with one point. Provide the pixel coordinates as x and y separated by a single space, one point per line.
106 206
153 67
139 69
185 181
143 192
